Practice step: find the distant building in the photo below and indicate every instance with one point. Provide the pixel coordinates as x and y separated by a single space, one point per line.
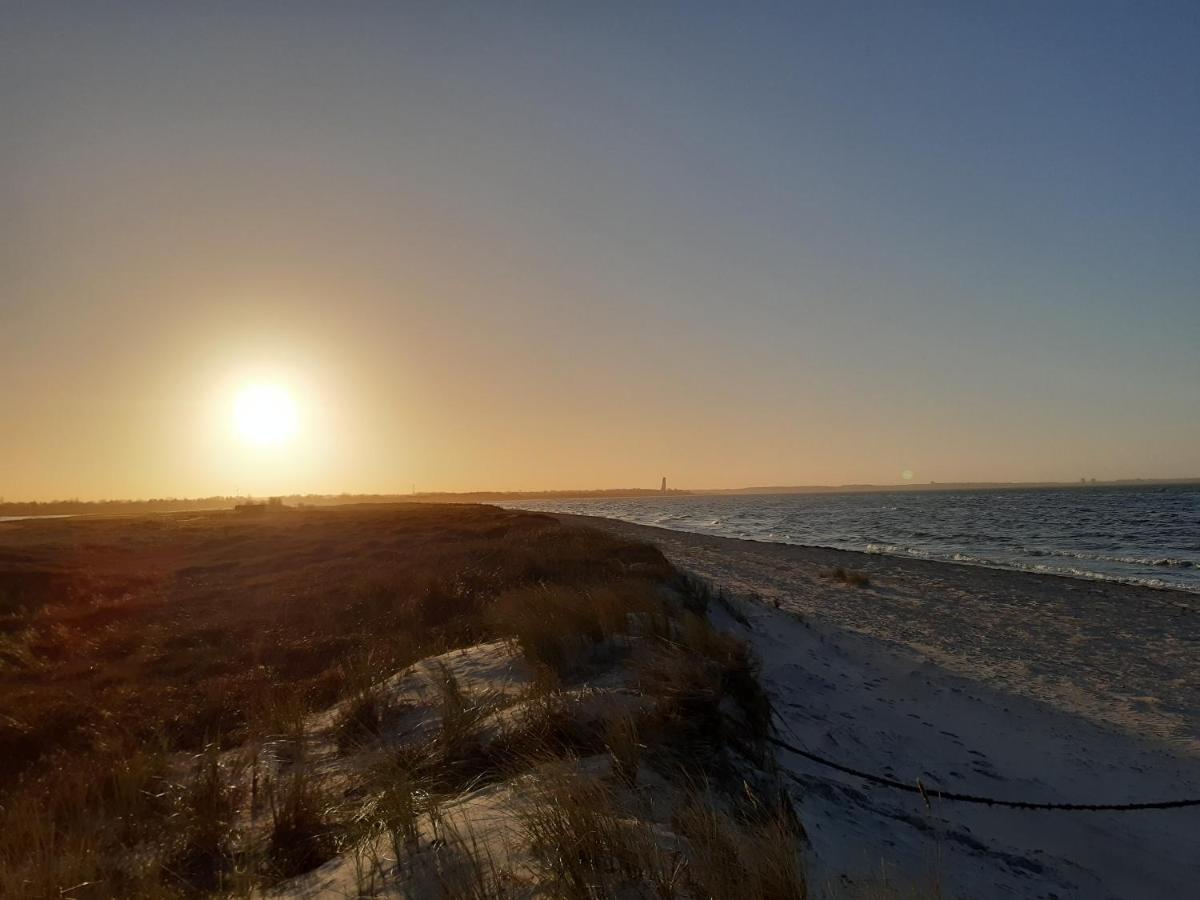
664 484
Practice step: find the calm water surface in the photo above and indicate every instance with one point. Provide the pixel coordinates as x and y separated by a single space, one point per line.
1137 535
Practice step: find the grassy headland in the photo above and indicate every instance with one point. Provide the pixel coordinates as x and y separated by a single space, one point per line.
424 700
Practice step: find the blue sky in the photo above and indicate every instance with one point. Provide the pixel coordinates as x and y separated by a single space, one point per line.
549 245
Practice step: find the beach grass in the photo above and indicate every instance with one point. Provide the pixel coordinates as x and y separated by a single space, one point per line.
207 704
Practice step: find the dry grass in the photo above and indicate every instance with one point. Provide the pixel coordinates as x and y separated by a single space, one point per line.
708 696
699 596
754 856
303 829
398 800
466 869
366 708
361 719
203 819
158 679
185 624
588 848
470 748
549 723
567 629
849 577
624 747
127 644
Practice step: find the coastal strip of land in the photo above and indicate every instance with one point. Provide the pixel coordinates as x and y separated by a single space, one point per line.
1113 653
1005 684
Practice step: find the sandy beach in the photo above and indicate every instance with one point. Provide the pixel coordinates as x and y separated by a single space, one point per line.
1004 684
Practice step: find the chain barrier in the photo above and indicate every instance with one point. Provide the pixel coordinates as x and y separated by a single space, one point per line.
928 793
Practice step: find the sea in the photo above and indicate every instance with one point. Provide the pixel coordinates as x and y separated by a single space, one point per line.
1132 534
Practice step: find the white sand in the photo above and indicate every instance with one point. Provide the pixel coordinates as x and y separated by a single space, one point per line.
979 681
482 823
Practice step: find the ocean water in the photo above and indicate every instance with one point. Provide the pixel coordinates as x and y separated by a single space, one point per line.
1137 535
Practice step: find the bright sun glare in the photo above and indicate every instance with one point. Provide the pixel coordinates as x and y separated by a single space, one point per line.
265 414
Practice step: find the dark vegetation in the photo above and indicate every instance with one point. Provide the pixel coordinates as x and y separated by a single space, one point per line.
194 504
849 576
136 654
181 630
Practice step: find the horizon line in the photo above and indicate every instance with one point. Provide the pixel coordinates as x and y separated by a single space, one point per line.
566 493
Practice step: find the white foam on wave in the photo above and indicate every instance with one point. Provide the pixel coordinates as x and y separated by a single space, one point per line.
895 550
1154 562
968 559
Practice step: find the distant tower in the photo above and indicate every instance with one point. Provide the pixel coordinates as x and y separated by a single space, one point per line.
664 484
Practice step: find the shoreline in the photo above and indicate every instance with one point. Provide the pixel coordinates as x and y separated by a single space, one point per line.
960 558
1006 684
1118 654
1135 586
1093 578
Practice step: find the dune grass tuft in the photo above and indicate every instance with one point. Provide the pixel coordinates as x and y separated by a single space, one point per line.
849 577
754 857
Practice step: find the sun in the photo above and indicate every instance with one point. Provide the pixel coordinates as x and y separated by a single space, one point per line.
265 414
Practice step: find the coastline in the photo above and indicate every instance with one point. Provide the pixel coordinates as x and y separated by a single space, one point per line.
1117 654
1140 538
1008 684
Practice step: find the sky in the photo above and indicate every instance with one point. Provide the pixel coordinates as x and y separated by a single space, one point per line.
533 246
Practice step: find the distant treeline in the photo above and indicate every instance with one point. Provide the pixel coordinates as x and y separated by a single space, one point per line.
115 507
181 504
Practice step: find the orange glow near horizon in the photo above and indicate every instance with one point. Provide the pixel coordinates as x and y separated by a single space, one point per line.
567 249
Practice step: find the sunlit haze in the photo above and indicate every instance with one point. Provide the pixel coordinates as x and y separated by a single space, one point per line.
315 248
